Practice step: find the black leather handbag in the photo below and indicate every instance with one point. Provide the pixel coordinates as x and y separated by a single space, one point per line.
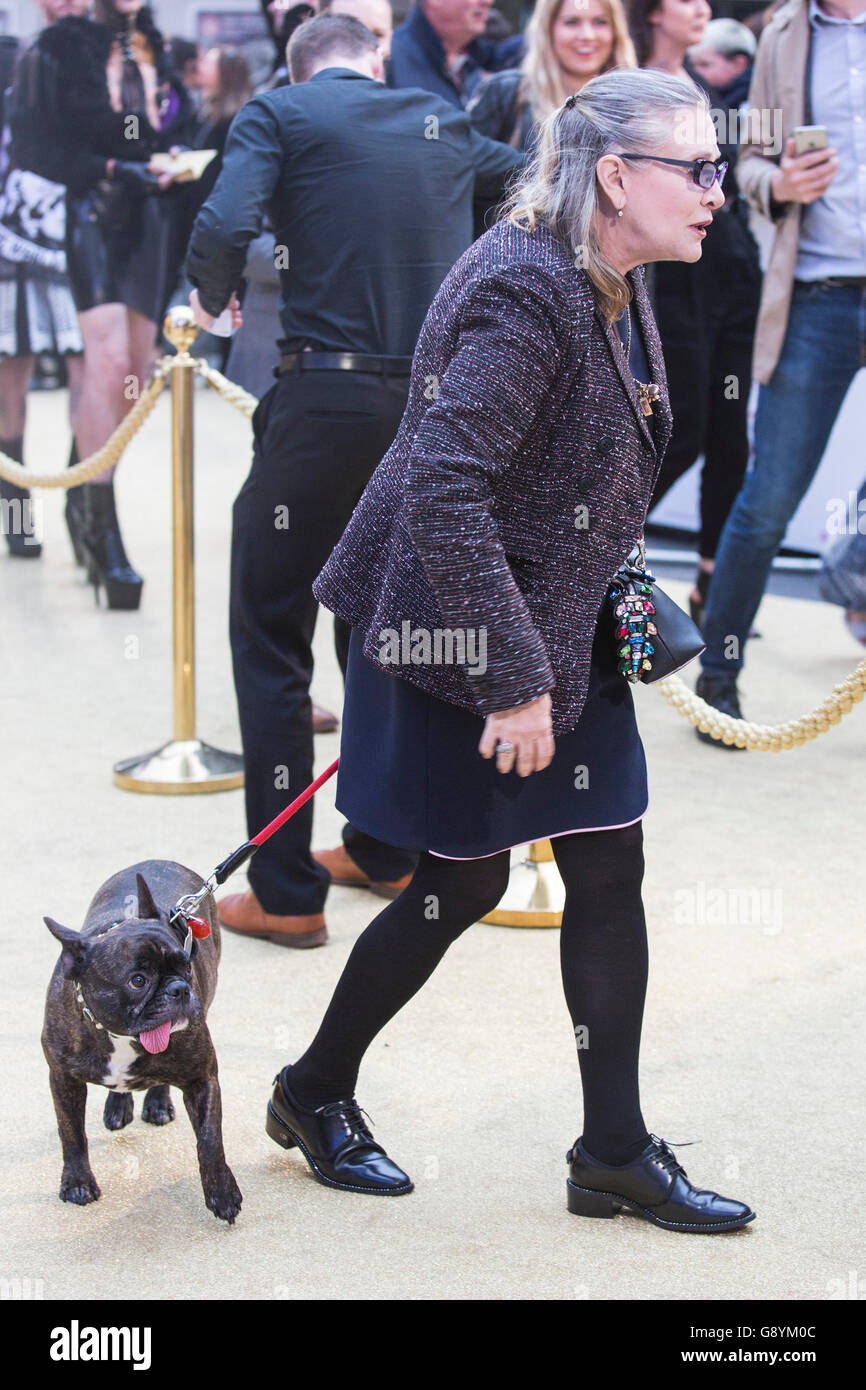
654 637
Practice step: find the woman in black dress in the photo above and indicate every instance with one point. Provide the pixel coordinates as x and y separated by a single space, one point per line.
526 418
94 101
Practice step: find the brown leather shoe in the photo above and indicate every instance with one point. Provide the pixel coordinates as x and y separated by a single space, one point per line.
343 870
244 914
324 722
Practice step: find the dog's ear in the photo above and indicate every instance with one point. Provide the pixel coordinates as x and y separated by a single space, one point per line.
146 906
74 947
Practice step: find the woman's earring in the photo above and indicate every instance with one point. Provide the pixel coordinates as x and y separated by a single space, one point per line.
619 214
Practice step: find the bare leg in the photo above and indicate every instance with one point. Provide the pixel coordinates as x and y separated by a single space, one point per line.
17 520
102 401
15 374
107 395
75 509
142 349
75 381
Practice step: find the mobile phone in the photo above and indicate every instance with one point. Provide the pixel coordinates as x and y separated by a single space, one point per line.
809 137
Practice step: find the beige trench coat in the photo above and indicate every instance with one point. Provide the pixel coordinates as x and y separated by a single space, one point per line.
778 86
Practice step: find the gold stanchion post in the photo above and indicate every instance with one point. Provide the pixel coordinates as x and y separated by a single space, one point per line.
535 895
186 764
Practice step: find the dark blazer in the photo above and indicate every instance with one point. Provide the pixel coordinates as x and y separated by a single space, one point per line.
370 192
518 481
418 59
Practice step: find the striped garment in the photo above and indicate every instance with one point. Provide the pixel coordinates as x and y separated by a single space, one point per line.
518 481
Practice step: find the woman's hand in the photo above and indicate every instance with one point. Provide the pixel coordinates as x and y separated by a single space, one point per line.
164 177
529 729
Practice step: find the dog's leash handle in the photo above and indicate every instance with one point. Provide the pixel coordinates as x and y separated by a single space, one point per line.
182 916
234 861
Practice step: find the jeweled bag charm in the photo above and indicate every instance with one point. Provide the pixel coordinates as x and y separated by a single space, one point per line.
630 596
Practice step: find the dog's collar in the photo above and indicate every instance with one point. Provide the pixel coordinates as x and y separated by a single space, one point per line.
86 1011
179 926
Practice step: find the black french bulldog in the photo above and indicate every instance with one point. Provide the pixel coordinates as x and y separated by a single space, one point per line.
126 1009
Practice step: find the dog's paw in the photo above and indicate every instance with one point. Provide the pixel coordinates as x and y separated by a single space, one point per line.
157 1108
223 1197
119 1108
79 1188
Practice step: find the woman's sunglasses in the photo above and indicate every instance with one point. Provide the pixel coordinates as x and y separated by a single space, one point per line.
705 172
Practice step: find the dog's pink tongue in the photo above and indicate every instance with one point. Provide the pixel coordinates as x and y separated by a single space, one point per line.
156 1039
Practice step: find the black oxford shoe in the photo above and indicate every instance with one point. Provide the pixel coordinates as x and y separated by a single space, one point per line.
656 1186
336 1142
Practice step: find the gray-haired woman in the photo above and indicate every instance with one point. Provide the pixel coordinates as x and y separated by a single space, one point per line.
517 483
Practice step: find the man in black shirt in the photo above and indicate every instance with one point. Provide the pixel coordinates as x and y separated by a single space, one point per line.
370 191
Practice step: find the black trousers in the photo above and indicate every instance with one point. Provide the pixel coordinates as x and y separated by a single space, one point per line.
706 315
318 436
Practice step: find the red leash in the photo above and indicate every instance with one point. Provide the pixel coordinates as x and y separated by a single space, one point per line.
184 912
294 806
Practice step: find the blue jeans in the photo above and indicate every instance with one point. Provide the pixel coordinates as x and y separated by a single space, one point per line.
825 345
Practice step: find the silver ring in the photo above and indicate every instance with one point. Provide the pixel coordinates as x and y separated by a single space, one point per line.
505 747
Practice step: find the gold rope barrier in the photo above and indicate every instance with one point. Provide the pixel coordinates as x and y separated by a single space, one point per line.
766 738
104 458
231 393
114 447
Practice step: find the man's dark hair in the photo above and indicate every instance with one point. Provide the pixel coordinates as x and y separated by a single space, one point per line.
183 51
327 36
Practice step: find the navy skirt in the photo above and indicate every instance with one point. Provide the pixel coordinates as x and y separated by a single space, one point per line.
410 771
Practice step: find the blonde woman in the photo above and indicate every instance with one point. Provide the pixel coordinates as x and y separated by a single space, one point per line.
567 43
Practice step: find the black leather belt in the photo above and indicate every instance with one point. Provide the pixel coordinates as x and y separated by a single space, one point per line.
839 282
342 362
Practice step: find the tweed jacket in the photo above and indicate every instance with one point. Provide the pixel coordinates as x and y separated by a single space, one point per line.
518 481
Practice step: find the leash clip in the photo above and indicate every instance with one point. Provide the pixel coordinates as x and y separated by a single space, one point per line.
184 916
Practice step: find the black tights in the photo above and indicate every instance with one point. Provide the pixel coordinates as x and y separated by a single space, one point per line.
603 951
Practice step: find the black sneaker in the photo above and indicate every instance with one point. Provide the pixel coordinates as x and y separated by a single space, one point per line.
654 1185
336 1142
720 691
